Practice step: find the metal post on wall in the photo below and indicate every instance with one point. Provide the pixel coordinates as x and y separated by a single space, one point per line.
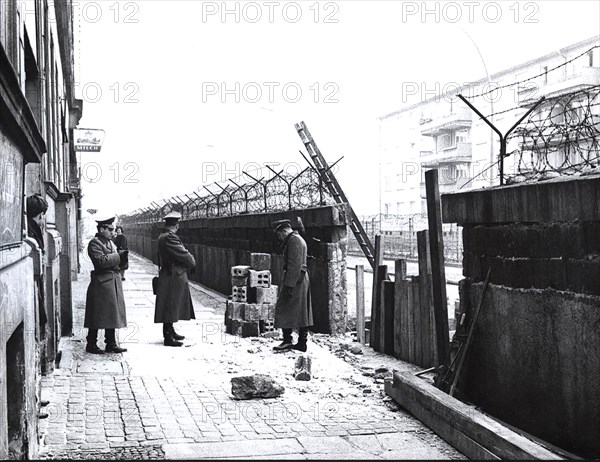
503 138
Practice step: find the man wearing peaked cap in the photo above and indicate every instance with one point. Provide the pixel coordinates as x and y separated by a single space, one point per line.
105 304
173 298
293 309
106 221
279 224
172 217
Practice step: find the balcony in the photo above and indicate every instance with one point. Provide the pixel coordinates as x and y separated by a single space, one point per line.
459 154
461 118
577 79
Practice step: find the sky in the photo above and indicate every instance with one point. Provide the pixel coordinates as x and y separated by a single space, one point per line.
190 93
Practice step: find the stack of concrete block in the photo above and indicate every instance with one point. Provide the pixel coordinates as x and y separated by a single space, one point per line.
251 308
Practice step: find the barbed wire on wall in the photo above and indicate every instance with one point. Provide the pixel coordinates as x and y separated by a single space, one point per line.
532 78
279 192
561 138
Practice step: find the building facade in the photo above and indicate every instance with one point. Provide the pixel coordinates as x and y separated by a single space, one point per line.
443 132
38 111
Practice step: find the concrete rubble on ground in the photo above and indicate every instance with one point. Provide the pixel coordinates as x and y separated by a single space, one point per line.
255 386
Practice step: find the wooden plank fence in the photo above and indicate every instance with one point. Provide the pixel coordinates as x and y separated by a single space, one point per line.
403 310
409 316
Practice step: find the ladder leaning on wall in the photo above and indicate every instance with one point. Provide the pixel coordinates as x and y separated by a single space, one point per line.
334 188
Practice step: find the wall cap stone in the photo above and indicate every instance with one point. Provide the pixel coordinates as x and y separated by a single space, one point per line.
559 200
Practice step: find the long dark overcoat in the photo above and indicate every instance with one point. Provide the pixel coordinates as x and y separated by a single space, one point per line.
104 305
121 242
173 299
295 311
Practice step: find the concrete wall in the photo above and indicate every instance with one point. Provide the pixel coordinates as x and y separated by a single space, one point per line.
535 358
220 243
53 300
19 371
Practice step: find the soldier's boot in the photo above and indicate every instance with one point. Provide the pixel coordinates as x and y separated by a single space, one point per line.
302 338
92 338
175 335
286 345
169 335
111 342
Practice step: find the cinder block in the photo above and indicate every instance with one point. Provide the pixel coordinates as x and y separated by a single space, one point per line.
252 312
237 310
272 334
234 327
266 294
239 281
267 329
250 329
233 310
239 294
259 278
267 310
260 261
267 325
240 270
227 313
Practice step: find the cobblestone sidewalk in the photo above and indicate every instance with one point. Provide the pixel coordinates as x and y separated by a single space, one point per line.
157 402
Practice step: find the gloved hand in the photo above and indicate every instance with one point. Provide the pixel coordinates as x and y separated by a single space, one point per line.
289 291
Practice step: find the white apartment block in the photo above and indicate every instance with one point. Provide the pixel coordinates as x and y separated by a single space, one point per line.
442 132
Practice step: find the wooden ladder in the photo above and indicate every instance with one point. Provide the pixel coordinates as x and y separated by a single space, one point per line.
334 188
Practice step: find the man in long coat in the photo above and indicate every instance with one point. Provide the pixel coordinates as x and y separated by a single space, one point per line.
105 305
173 299
293 309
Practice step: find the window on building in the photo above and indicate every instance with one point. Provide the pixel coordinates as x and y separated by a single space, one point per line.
32 82
9 32
446 140
462 136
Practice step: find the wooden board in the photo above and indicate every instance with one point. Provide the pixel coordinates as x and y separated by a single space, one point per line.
438 275
360 303
388 317
400 275
458 423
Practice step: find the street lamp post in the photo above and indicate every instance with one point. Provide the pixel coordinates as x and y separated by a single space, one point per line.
491 117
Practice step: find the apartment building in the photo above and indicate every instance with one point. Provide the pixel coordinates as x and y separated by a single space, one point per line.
443 132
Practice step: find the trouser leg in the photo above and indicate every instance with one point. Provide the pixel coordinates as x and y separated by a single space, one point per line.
287 335
303 334
109 337
302 337
287 341
111 342
92 336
